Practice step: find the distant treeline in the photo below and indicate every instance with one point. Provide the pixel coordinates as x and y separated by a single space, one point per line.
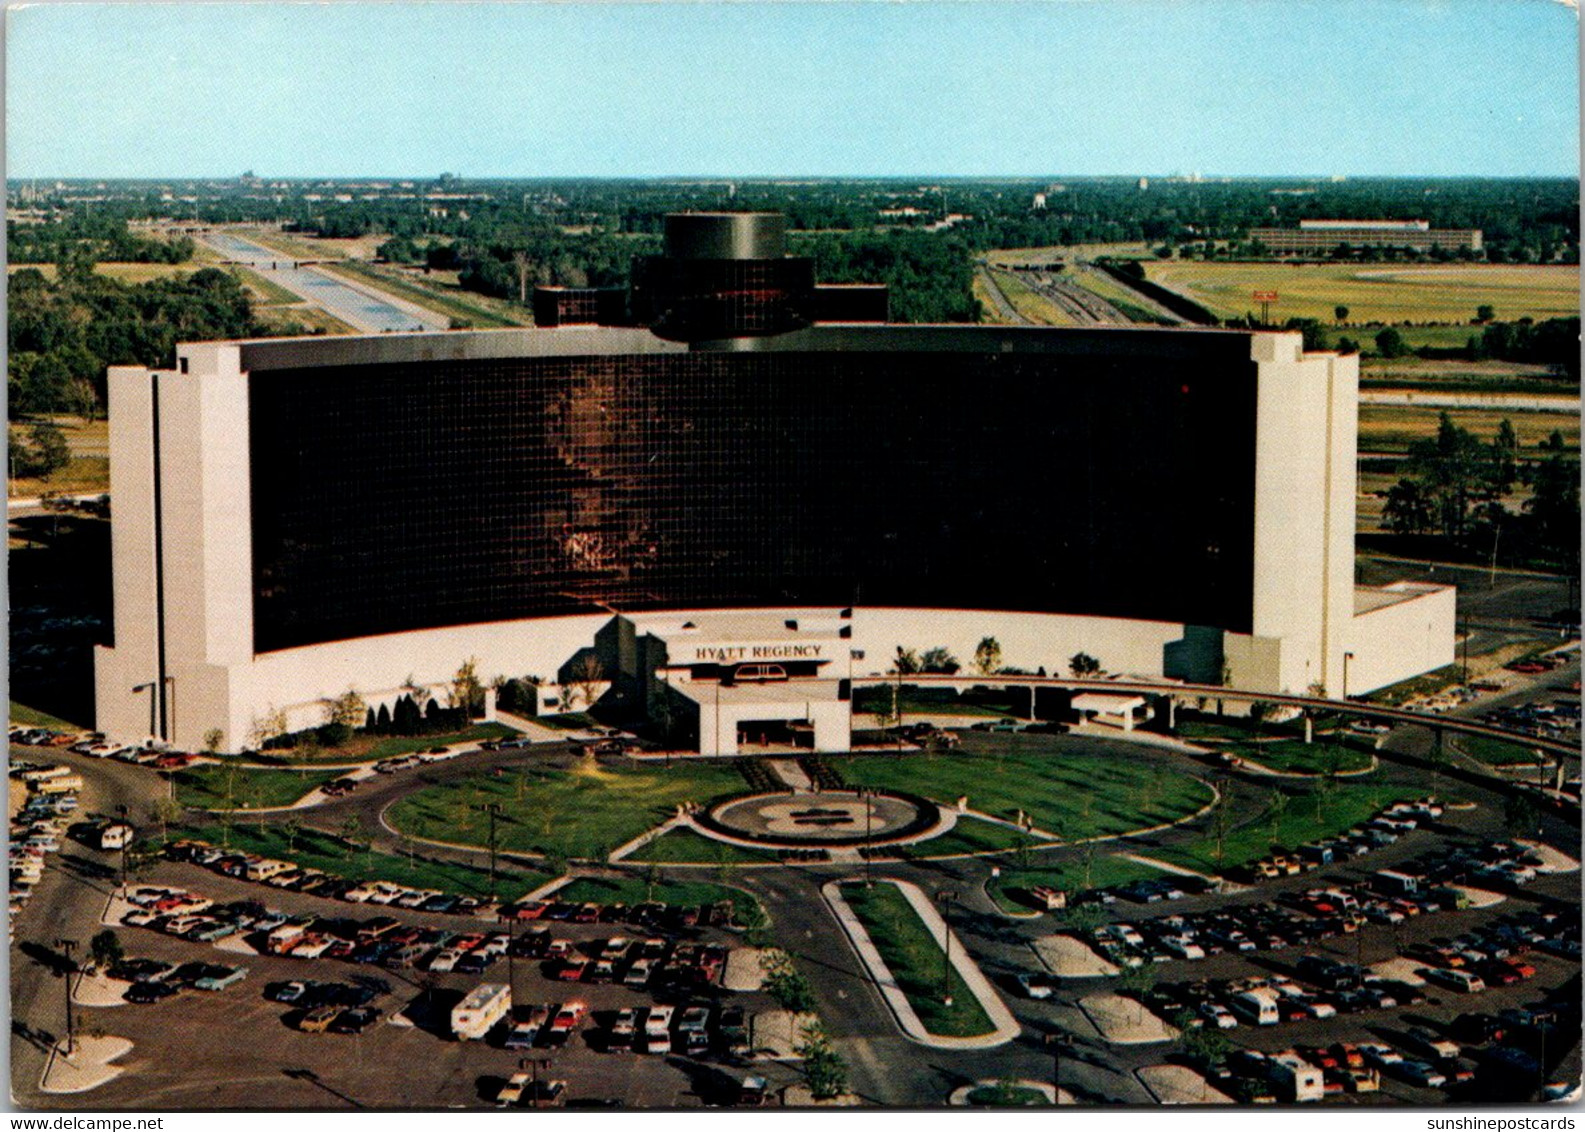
62 333
102 239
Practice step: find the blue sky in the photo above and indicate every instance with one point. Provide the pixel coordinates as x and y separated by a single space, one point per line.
1063 87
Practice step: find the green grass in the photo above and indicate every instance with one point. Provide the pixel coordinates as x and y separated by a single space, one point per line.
32 717
1251 836
1027 301
569 721
231 786
632 890
363 747
268 290
1494 752
971 835
684 846
1067 876
926 701
916 962
1124 298
1006 1096
1294 756
1068 790
584 811
314 849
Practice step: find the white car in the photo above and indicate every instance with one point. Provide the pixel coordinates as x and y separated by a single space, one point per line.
1381 1056
1219 1016
1034 985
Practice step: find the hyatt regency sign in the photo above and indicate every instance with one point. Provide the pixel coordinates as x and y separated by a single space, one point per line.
732 654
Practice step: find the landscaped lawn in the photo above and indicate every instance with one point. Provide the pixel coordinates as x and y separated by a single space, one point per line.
25 716
913 700
363 747
631 890
312 849
229 786
1006 1096
1071 790
916 962
1341 805
684 846
1494 752
971 835
1295 756
584 810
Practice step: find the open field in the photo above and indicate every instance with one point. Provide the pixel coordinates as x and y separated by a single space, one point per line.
229 786
309 318
1294 756
971 835
582 811
916 962
1125 299
121 272
310 848
990 309
300 246
1376 292
82 475
1392 428
1077 794
1494 752
1460 376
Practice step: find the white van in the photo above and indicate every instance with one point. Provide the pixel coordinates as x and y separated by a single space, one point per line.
1257 1007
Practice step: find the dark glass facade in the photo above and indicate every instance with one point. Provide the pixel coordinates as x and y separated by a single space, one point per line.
1095 480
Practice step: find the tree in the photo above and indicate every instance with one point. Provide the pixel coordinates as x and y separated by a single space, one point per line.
988 656
212 740
1390 343
42 453
1519 814
1485 313
1082 664
467 691
939 659
1221 824
1278 808
785 983
587 675
1139 981
1341 312
906 662
346 710
291 829
1408 508
105 949
353 831
824 1068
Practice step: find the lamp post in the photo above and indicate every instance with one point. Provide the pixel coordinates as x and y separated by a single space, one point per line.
869 829
149 688
492 809
1058 1043
68 946
945 898
122 810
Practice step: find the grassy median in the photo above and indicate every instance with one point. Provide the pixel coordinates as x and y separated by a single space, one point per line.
916 962
228 786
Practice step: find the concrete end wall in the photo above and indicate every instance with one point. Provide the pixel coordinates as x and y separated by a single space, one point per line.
1403 640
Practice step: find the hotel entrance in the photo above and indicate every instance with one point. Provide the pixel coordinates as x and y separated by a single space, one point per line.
775 736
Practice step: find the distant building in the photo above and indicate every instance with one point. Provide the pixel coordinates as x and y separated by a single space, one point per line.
1325 235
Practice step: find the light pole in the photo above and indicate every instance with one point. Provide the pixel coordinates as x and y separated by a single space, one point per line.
492 809
149 688
1058 1044
945 898
125 840
68 946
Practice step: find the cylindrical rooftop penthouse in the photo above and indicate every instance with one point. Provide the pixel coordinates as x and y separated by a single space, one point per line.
726 235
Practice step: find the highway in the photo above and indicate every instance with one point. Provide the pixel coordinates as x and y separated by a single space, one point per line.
357 308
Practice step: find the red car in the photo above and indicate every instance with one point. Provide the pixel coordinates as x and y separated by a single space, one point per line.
528 910
571 970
